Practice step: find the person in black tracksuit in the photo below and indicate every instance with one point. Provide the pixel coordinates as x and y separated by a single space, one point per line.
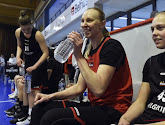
149 106
31 43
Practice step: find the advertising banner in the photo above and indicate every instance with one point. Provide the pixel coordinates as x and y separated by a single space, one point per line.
78 7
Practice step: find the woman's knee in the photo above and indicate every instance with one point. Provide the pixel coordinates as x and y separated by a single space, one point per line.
36 115
54 115
36 109
51 116
66 121
17 77
20 86
47 119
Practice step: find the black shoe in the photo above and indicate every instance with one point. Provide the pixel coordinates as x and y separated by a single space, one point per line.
20 114
10 114
16 110
15 120
15 114
12 109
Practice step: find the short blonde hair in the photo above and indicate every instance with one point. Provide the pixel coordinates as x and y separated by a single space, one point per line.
161 12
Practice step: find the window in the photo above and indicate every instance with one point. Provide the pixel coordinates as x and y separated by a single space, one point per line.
108 25
40 23
120 22
141 14
160 5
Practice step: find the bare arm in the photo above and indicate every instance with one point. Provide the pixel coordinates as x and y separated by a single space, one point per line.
40 39
68 93
138 107
19 49
98 81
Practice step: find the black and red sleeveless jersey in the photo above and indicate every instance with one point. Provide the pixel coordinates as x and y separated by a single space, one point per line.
119 91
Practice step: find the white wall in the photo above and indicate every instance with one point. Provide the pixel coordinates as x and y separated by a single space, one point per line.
139 46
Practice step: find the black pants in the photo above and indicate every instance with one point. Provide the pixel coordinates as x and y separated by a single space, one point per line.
147 118
72 113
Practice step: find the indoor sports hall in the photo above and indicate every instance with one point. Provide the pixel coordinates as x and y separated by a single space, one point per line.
128 21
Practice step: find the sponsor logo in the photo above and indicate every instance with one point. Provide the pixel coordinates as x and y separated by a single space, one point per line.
36 87
72 11
162 73
26 40
28 53
162 83
21 119
156 107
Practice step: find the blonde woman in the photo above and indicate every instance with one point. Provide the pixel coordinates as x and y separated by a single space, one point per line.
149 107
104 71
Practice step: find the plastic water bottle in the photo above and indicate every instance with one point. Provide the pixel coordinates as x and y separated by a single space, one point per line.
5 79
65 49
22 69
12 86
85 96
28 83
61 85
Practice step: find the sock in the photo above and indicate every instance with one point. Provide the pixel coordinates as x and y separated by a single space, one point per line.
20 103
17 101
30 110
16 90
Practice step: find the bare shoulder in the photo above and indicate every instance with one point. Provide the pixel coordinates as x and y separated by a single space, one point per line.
17 32
39 36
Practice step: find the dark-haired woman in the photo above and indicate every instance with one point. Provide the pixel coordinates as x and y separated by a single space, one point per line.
32 44
104 71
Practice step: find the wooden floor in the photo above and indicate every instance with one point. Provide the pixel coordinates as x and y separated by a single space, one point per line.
5 102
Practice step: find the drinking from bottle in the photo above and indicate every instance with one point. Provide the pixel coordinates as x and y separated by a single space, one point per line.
65 49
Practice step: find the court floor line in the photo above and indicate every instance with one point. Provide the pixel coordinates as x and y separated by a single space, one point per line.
7 101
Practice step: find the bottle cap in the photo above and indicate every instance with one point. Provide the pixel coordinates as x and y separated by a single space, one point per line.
22 65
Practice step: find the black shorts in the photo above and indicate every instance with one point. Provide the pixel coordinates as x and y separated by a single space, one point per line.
39 78
51 87
83 113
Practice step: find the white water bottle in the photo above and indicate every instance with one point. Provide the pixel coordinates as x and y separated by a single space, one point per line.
28 83
65 49
61 85
12 86
5 79
85 96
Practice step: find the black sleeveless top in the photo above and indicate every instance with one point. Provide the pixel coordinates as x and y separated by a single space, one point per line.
31 49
